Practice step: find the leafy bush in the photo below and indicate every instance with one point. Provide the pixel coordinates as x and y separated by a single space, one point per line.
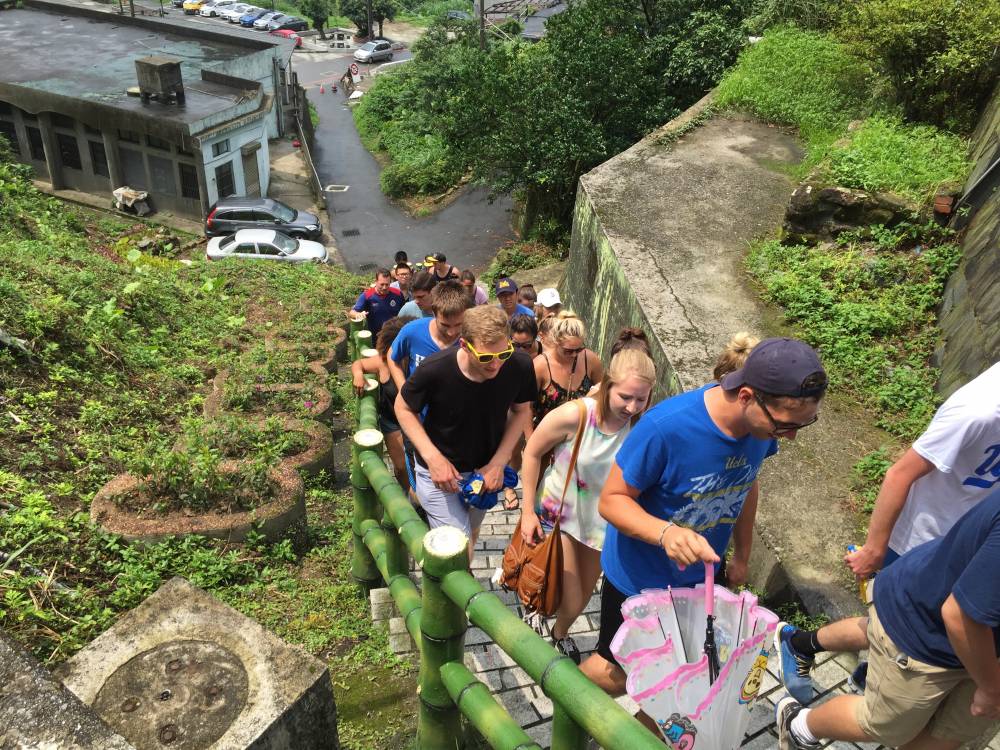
939 57
236 437
426 12
911 160
869 307
518 256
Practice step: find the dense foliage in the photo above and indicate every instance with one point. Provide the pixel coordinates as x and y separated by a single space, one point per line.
869 304
530 119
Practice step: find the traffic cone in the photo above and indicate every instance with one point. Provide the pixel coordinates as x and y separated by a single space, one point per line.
321 89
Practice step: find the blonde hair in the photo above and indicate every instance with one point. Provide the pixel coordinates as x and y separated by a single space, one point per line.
567 326
735 354
484 324
625 364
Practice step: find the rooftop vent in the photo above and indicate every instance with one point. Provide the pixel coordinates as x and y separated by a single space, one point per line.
160 78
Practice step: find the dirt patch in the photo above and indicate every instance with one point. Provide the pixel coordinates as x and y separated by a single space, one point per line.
421 206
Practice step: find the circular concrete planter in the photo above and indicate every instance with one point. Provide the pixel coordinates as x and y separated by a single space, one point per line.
271 520
322 402
327 353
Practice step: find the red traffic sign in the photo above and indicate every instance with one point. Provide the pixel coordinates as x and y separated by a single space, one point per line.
354 69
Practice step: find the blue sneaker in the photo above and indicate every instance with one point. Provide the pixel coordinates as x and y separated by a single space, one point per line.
859 678
793 667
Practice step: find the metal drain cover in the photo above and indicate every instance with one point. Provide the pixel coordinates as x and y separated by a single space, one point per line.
351 232
181 694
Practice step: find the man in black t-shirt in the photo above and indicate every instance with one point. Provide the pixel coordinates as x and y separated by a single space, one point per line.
478 402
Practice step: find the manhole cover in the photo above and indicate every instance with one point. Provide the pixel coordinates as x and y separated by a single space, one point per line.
182 694
351 232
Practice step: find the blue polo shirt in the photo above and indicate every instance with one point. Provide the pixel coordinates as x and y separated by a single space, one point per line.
687 471
380 308
910 592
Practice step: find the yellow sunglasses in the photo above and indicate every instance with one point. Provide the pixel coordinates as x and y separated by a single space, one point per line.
486 357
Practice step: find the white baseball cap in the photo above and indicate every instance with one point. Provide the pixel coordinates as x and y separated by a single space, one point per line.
549 298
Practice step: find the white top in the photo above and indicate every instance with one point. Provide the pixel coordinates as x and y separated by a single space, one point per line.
963 443
580 518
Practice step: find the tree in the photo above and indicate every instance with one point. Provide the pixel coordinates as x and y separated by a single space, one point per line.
384 10
357 11
317 11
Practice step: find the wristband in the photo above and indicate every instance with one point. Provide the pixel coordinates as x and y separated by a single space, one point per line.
664 531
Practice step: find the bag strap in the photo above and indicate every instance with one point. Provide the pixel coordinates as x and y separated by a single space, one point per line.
582 408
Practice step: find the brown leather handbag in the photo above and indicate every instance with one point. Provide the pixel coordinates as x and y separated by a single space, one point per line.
535 573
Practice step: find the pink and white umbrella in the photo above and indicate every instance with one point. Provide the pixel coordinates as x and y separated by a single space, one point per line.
665 645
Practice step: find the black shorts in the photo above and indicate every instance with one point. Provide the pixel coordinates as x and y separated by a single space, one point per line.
611 618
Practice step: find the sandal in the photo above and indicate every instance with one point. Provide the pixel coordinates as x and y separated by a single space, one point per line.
510 499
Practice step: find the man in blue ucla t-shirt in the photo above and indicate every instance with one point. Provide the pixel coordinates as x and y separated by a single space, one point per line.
685 481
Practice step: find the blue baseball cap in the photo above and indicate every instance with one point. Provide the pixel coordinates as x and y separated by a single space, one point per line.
504 285
781 367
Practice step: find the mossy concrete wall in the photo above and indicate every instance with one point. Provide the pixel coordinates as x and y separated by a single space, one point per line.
970 314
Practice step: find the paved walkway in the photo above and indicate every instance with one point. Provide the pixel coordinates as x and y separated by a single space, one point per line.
525 701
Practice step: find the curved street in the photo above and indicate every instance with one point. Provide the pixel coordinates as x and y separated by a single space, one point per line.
368 228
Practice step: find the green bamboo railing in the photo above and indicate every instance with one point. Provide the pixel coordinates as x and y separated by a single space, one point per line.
387 532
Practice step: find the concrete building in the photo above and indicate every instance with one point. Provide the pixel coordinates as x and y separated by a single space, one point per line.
194 129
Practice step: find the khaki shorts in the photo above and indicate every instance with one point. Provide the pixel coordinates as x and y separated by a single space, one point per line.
903 696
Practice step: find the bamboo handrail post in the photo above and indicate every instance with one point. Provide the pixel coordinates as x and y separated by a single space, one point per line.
473 699
364 569
362 340
404 592
566 733
411 528
442 629
557 675
354 326
368 412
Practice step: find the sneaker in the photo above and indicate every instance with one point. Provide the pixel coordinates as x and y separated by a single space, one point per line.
859 678
567 645
785 710
793 667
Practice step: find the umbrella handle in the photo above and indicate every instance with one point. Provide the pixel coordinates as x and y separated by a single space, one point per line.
709 589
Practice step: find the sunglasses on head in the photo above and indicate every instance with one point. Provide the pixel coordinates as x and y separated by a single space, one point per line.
484 358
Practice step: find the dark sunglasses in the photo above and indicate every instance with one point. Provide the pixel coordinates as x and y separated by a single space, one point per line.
526 345
781 428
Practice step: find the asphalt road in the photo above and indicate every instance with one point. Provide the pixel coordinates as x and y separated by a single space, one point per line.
368 227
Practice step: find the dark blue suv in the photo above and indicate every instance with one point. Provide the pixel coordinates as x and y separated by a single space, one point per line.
249 18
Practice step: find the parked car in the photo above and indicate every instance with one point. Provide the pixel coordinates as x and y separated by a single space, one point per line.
370 52
261 23
289 34
265 244
191 7
248 18
288 23
213 8
234 12
177 3
458 15
231 214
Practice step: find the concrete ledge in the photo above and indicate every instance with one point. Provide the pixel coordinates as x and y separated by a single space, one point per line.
285 698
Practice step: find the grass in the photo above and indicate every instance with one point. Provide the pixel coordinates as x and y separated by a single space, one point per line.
869 305
517 256
814 83
423 14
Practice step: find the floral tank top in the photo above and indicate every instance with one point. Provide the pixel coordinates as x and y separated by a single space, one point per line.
580 518
554 395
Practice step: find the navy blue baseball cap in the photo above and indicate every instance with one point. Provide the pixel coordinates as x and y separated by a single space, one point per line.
781 367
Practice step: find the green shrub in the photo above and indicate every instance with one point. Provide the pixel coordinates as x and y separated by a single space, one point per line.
799 78
940 57
911 160
518 256
870 310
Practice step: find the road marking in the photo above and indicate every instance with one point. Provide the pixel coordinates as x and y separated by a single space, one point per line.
336 188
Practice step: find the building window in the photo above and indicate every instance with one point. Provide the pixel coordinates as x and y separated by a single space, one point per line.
90 129
161 174
35 143
8 131
6 109
62 121
224 180
129 136
99 158
69 151
220 148
189 181
159 143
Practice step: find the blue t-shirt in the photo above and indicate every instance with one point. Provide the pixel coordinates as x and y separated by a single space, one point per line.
414 343
380 308
687 471
412 310
909 594
520 310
